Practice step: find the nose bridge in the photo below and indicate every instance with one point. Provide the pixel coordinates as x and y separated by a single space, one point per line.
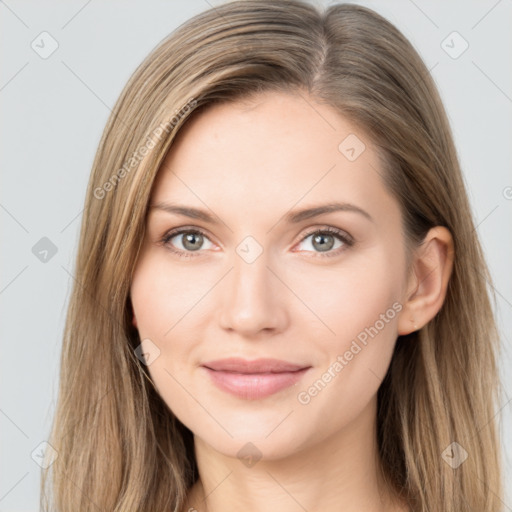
251 278
253 298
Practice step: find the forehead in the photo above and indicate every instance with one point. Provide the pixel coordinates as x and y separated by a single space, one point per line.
276 150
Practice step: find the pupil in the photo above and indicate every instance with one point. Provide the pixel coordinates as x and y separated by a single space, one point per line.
189 239
323 246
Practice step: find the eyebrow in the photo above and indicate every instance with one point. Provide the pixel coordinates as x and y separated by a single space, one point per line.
291 217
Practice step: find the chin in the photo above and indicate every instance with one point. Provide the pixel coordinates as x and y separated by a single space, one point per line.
259 442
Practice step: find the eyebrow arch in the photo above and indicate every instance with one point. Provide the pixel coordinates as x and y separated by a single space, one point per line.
291 217
308 213
186 211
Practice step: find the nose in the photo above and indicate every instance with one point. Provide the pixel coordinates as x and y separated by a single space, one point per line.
253 298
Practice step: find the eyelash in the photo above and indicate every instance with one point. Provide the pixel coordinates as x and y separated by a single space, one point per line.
342 236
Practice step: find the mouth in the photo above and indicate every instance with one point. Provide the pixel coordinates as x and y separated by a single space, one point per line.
256 379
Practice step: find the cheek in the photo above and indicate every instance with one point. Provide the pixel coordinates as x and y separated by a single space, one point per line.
161 300
360 306
347 299
161 297
168 301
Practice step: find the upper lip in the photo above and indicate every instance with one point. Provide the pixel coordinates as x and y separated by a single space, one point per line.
239 365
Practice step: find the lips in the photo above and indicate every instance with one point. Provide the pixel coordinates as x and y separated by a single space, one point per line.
256 379
239 365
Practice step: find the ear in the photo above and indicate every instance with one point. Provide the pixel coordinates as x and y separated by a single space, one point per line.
426 288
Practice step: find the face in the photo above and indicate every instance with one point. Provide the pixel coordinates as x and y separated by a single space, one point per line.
321 293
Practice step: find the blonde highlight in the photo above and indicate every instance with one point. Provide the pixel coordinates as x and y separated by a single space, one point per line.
119 446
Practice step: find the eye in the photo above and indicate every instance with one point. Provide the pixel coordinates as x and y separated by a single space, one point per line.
324 240
190 243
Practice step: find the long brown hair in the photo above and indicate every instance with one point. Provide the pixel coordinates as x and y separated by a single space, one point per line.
118 445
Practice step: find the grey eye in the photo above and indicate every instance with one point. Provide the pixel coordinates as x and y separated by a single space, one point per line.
189 240
322 241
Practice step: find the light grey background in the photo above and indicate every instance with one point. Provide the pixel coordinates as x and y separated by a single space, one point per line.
53 114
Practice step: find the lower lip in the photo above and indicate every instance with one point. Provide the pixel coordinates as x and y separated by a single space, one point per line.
252 386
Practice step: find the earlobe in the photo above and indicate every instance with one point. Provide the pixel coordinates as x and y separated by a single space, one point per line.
432 270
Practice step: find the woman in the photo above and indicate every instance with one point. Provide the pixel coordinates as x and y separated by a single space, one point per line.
214 357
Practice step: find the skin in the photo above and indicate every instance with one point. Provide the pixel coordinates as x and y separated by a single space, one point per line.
249 164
